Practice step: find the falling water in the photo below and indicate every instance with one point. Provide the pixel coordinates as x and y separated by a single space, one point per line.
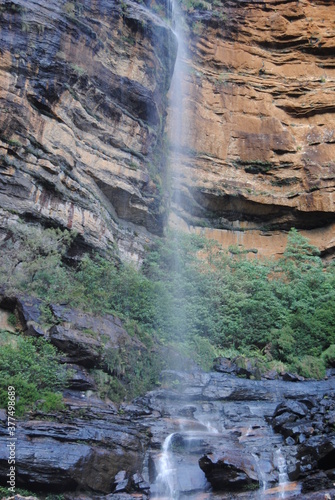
261 474
166 478
177 121
282 472
167 484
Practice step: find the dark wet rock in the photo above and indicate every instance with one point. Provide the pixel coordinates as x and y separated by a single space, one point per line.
316 482
280 420
135 410
30 315
81 347
224 474
292 377
328 494
187 411
85 338
313 436
139 484
291 406
79 379
83 451
295 429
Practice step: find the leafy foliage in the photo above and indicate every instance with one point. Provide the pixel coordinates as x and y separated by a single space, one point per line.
32 367
190 295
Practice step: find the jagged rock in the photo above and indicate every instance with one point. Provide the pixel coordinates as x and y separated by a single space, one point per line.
102 116
85 338
80 133
224 365
289 406
122 482
139 484
292 377
74 453
280 420
225 475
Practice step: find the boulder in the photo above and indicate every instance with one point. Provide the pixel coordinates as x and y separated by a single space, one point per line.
291 406
229 473
83 452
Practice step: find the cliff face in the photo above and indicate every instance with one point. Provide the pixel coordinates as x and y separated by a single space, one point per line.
83 98
83 89
259 144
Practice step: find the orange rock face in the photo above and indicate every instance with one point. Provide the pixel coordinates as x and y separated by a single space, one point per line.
258 149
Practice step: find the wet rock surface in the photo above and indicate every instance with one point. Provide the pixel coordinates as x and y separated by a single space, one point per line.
308 427
215 419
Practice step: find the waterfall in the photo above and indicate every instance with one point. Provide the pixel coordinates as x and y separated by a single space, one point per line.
166 480
177 125
282 472
261 474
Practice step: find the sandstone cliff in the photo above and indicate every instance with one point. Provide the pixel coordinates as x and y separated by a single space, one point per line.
83 98
83 89
257 155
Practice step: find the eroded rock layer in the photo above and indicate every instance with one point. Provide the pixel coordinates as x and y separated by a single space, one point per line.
83 102
258 147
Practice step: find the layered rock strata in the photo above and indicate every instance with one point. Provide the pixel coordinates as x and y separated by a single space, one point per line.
257 153
83 102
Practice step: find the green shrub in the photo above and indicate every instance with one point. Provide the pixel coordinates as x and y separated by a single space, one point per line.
32 367
328 356
309 367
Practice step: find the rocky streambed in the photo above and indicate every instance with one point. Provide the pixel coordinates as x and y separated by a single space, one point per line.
213 433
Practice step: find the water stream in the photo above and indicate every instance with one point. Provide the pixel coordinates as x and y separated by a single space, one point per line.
166 483
282 472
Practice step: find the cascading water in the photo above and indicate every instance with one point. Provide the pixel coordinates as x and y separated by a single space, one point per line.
166 479
282 472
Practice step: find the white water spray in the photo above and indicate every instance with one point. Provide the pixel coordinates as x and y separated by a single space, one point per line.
261 475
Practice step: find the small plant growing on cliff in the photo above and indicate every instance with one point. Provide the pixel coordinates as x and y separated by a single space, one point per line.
198 28
69 8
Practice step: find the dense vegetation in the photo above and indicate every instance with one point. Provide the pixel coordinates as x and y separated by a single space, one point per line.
32 367
190 297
